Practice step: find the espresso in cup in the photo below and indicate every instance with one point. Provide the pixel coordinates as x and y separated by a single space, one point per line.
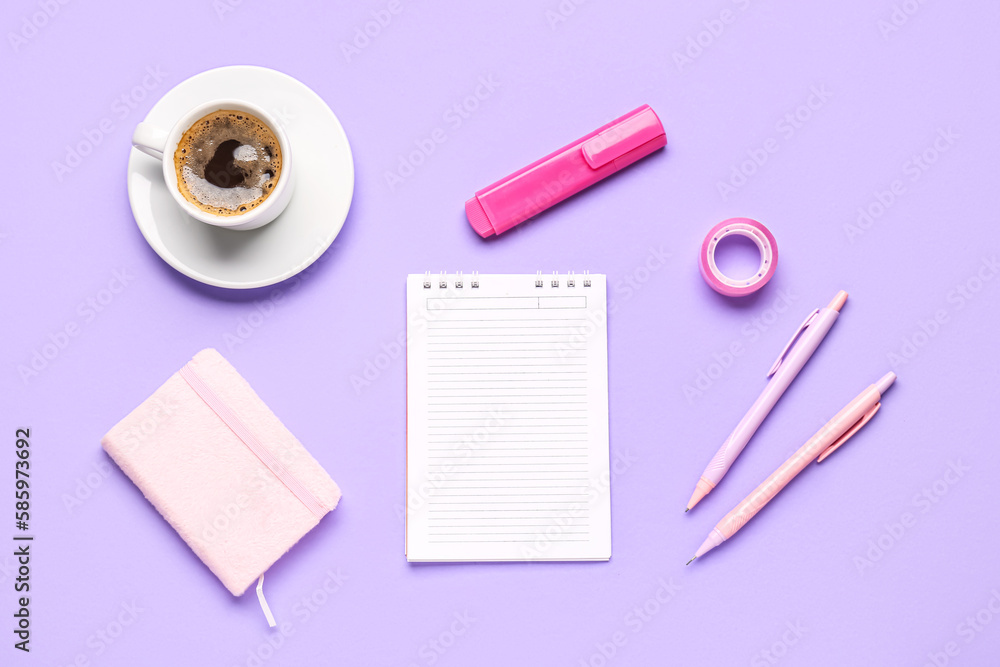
227 162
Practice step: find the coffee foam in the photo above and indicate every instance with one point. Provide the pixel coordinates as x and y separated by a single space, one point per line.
230 199
227 162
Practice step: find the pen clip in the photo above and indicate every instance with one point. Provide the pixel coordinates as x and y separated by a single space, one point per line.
795 336
851 431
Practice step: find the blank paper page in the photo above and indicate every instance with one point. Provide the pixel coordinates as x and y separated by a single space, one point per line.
507 418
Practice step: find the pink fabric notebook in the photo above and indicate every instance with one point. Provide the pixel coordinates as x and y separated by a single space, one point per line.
222 470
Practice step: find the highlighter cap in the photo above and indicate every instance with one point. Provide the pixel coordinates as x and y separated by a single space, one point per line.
626 140
574 167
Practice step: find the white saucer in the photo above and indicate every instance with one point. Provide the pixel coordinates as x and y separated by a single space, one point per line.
305 229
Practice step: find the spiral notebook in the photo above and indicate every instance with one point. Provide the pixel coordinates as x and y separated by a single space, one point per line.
507 451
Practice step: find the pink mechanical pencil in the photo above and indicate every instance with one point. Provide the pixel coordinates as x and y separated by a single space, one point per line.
797 352
835 433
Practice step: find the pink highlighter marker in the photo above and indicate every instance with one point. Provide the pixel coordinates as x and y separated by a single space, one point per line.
531 190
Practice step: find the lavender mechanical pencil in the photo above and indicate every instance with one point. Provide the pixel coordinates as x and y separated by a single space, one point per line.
804 342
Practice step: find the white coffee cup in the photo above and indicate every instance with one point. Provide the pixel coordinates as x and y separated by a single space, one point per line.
161 144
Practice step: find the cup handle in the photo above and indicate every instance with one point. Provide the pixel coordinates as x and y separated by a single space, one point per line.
150 139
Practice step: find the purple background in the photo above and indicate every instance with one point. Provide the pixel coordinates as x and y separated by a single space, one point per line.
100 545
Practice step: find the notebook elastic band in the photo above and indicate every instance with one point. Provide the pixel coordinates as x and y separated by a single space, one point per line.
241 430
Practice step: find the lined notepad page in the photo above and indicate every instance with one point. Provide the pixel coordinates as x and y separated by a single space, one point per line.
507 418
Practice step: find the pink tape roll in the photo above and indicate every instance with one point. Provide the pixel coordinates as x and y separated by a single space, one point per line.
754 231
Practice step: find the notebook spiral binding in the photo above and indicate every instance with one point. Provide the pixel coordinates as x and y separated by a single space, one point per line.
459 281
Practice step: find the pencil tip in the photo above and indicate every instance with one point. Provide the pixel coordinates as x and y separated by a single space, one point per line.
687 510
690 561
